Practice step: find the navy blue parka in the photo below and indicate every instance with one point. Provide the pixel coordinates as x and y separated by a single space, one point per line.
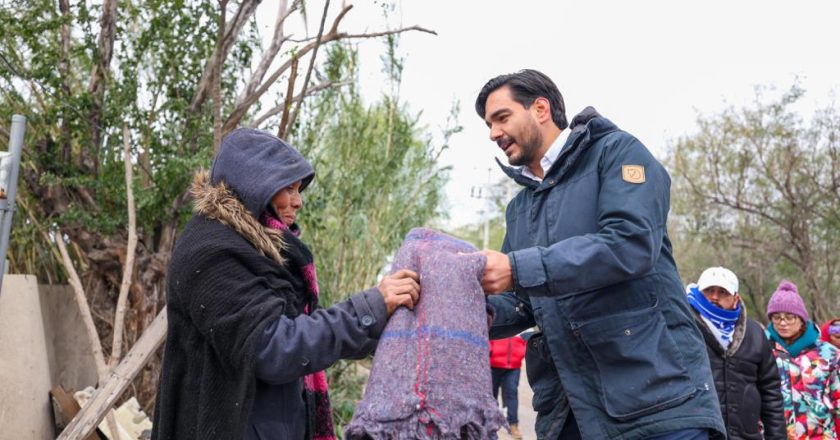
593 268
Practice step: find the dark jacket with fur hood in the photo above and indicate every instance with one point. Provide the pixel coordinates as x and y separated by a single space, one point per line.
232 300
747 382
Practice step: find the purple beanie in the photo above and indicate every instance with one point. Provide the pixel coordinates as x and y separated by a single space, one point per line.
786 299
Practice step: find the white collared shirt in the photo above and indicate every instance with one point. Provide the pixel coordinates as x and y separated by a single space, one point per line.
550 156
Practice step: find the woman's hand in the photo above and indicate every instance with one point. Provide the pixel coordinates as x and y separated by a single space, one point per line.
400 289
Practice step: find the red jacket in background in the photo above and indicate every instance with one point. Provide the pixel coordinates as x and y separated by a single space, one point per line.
507 353
825 337
824 330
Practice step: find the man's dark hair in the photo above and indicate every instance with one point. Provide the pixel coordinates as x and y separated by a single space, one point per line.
525 87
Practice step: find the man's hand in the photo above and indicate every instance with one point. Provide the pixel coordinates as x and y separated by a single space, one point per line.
498 275
400 289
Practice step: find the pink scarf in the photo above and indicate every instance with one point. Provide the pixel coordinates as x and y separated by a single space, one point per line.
318 410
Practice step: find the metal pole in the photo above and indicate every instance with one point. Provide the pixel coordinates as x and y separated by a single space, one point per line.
488 213
8 188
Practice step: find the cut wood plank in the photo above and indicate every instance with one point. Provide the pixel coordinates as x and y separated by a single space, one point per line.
64 407
106 429
111 389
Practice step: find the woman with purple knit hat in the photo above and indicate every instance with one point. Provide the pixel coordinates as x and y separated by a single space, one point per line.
808 367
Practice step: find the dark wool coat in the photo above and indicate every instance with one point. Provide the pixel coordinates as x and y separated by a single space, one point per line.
232 299
593 267
747 382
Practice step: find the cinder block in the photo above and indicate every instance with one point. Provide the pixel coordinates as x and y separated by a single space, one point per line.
25 411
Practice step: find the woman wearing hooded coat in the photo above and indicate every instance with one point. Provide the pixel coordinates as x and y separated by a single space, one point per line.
808 367
247 341
830 332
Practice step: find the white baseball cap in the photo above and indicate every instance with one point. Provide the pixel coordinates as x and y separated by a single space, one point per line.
718 276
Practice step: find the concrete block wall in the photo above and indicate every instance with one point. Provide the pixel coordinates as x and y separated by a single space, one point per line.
25 378
43 343
68 346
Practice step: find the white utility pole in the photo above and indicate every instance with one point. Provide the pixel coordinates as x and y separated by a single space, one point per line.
484 193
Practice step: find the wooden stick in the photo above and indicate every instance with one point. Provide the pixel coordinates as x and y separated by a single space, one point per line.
273 49
111 389
128 269
84 308
288 121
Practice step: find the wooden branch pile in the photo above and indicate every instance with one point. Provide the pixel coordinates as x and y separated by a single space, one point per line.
112 387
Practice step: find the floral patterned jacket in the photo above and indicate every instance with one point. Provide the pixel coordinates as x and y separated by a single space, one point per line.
810 386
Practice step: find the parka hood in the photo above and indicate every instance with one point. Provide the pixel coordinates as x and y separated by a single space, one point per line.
582 118
255 165
585 126
219 203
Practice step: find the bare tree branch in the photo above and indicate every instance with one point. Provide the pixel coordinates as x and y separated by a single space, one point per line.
313 90
273 49
246 9
338 18
287 103
103 399
107 32
344 36
145 162
216 79
128 269
64 72
750 208
89 157
763 246
287 120
167 239
239 112
84 308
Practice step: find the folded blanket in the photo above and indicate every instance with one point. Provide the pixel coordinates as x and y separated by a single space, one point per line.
431 374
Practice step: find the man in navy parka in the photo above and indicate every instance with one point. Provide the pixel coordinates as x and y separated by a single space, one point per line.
586 257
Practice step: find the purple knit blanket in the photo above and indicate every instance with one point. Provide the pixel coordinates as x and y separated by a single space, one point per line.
431 373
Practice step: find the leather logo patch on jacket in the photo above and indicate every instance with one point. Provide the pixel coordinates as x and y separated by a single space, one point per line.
633 173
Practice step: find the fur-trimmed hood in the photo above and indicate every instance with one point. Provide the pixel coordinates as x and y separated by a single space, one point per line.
255 165
218 202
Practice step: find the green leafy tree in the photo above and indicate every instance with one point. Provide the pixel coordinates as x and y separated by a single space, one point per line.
495 196
376 178
758 189
177 75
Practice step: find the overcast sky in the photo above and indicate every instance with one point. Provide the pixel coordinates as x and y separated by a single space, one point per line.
649 66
